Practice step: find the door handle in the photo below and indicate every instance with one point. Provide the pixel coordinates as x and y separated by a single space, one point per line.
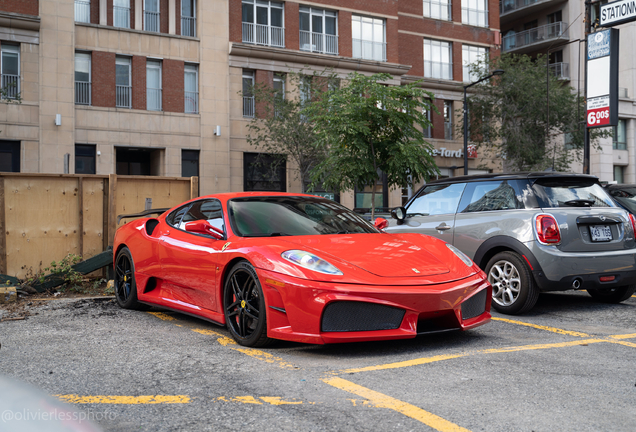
443 227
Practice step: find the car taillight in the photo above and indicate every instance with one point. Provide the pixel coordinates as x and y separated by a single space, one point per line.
548 230
632 219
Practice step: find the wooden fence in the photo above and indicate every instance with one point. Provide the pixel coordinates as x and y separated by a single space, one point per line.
44 217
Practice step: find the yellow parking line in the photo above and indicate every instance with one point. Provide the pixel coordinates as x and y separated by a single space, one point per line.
125 400
380 400
629 344
407 363
625 336
540 346
163 316
540 327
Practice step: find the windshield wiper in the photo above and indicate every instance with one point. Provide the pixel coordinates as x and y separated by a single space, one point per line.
274 234
580 203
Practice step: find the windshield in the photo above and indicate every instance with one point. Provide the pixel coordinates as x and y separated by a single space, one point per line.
564 192
625 196
293 216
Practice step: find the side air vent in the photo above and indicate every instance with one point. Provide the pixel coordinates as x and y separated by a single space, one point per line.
151 224
474 306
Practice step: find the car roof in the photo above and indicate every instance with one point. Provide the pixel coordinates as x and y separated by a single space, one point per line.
513 176
620 186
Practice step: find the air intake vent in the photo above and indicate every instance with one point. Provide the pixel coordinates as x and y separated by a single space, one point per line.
474 306
348 316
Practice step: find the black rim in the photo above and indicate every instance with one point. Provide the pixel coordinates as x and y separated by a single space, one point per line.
123 278
243 301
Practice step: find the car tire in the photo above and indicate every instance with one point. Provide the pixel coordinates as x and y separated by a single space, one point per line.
613 295
125 283
244 306
514 290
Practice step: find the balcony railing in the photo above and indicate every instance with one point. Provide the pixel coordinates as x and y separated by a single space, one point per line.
448 131
263 35
248 106
438 70
82 92
82 11
560 70
188 26
153 99
191 102
369 50
121 17
536 35
318 42
123 99
10 86
507 6
151 21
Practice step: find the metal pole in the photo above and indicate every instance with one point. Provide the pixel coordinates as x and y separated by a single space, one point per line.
586 143
465 132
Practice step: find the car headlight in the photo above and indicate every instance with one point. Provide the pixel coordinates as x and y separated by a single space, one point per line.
310 261
461 255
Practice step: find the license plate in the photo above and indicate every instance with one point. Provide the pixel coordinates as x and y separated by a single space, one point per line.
601 233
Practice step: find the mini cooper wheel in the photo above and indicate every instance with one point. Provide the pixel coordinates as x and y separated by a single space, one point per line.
125 285
513 288
612 295
244 306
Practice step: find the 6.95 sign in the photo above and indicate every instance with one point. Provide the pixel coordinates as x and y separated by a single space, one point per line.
598 117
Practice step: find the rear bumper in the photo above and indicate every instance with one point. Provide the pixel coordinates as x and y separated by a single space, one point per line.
300 310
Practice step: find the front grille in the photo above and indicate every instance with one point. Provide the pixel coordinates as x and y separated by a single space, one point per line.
349 316
474 306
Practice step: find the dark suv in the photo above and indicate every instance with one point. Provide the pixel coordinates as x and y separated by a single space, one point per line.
531 232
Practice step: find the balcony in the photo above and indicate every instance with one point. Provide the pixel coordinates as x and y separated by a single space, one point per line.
448 131
151 21
560 70
122 96
368 50
318 42
511 10
153 99
121 17
536 39
82 11
10 86
264 35
188 26
438 70
248 106
191 102
82 93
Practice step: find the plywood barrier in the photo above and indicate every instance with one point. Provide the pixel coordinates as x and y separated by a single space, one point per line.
44 217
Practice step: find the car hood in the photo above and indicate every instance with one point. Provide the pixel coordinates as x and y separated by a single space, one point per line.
382 255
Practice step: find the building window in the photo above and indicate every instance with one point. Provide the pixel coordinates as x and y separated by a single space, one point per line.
121 13
10 71
153 85
438 59
318 30
438 9
368 37
263 23
9 156
138 161
123 82
189 163
427 130
248 96
191 89
83 11
85 159
619 174
188 18
475 12
448 120
82 78
620 136
264 172
472 54
151 16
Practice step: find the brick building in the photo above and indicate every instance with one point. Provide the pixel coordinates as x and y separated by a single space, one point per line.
152 87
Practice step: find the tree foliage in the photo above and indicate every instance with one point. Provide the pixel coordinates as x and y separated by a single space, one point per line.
366 126
509 115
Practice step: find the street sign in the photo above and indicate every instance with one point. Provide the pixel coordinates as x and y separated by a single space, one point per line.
602 78
617 12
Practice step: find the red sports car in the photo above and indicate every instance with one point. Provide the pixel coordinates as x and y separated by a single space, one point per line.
295 267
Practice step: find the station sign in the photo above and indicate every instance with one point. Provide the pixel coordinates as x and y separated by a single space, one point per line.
617 12
602 78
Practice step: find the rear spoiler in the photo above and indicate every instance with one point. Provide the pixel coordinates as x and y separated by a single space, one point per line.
143 213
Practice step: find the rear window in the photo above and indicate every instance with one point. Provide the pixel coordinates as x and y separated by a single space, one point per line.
570 192
625 196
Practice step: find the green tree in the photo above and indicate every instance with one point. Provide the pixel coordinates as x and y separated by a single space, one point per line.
366 127
281 128
509 115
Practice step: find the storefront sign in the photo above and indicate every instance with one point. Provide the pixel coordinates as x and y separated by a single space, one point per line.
444 152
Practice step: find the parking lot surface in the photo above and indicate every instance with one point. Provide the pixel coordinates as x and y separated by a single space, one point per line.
568 365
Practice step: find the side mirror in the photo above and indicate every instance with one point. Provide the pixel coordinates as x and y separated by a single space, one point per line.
398 213
381 223
204 227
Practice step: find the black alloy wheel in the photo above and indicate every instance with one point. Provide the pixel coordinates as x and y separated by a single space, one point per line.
125 284
244 306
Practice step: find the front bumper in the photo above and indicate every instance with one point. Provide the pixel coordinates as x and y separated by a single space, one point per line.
306 311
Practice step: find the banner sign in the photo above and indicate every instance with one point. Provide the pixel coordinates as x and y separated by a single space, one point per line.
602 78
617 12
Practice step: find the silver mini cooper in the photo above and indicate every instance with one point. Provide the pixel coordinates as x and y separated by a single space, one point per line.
531 232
